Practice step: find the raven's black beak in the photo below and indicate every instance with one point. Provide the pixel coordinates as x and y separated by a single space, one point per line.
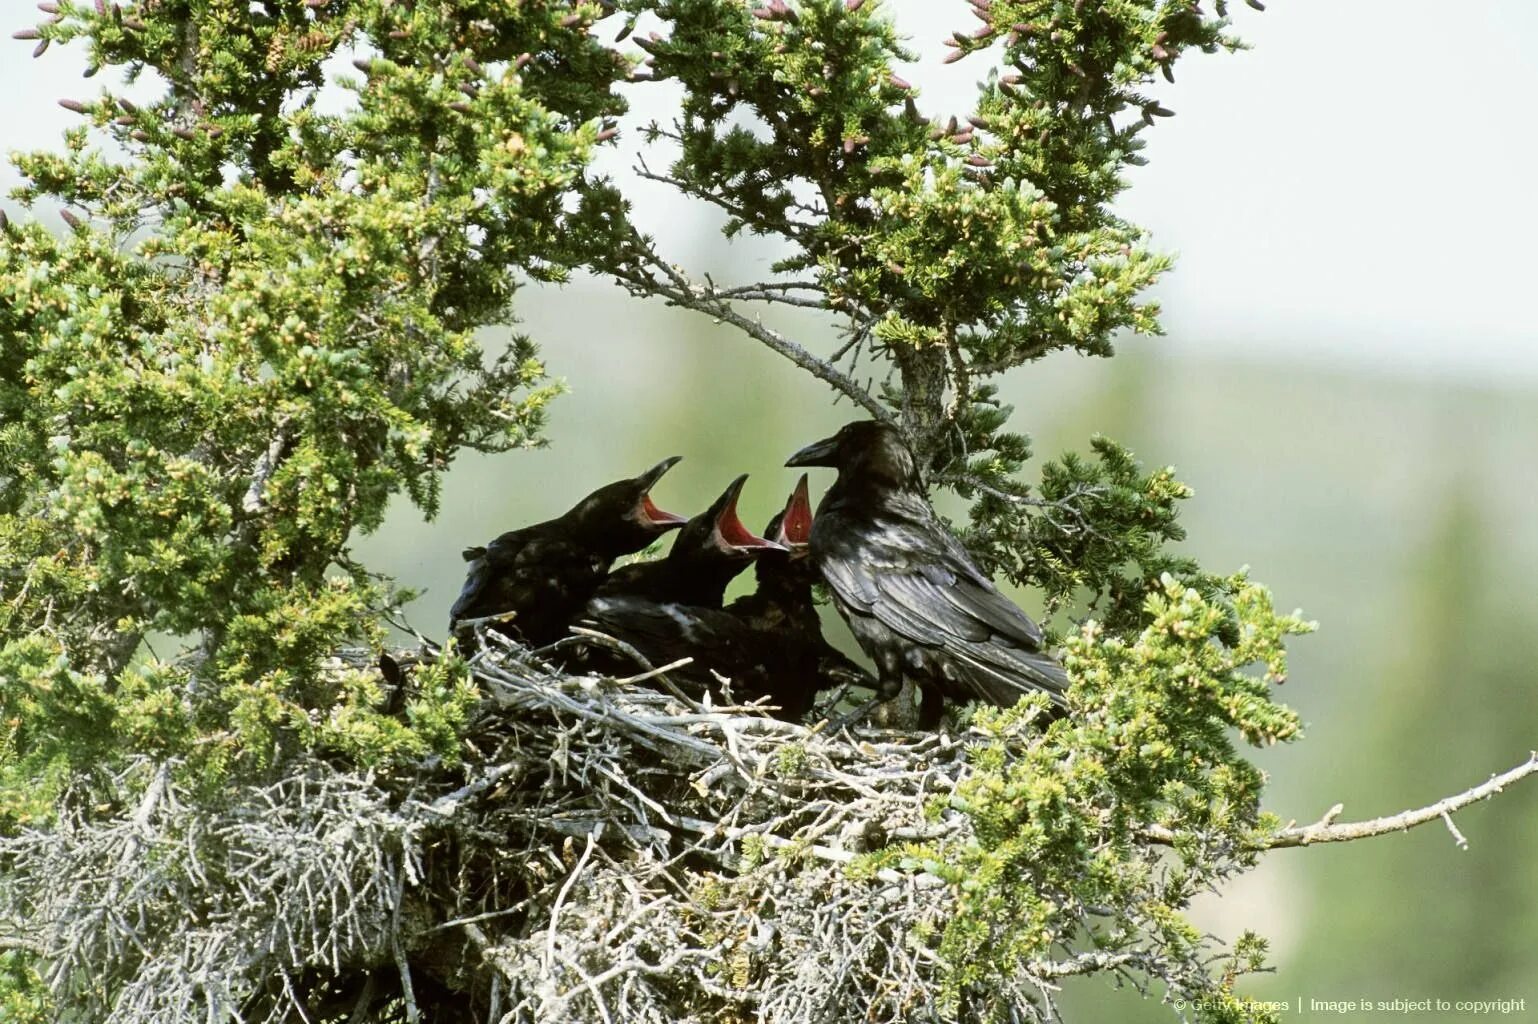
649 478
650 514
818 453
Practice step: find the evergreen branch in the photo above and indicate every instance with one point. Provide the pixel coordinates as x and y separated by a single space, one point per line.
1071 503
790 228
656 131
650 274
1017 356
781 286
779 298
771 291
1086 963
858 333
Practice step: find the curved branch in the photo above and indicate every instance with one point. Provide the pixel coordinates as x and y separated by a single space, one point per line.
1325 830
792 229
668 282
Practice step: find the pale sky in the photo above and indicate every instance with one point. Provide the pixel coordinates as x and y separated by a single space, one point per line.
1358 187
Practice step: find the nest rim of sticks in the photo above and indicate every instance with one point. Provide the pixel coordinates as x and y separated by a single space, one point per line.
602 851
647 791
697 729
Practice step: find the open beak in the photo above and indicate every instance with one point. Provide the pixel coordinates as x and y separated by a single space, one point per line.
650 513
735 536
656 516
818 453
796 523
649 479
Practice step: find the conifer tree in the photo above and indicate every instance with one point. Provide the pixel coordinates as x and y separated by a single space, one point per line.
259 325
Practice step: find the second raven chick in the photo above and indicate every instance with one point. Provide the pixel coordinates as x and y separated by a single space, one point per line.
782 607
768 644
706 556
915 600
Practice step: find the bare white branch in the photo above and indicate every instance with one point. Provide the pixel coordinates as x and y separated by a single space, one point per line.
1327 831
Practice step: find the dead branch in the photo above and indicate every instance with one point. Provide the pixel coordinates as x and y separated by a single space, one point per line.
652 275
1327 830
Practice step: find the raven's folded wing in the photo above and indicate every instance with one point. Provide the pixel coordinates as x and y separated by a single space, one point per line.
923 579
539 579
919 582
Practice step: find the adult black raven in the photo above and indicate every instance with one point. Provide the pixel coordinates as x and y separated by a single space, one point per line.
915 600
542 575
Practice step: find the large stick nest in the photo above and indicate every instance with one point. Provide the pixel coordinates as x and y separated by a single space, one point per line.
608 851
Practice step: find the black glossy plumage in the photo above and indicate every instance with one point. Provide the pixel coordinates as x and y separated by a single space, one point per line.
708 553
915 600
543 574
768 644
717 641
781 609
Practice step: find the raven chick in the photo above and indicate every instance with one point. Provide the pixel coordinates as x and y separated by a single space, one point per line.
782 607
766 644
706 556
543 574
915 600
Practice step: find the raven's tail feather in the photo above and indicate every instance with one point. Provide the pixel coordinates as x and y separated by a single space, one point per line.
1002 677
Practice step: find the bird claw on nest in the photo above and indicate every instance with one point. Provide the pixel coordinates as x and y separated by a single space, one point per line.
852 718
